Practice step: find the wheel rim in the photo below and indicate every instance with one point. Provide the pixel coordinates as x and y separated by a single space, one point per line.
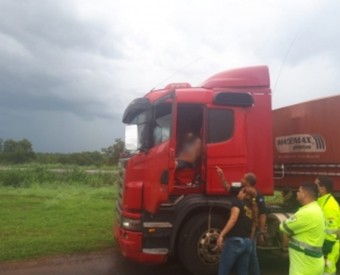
207 247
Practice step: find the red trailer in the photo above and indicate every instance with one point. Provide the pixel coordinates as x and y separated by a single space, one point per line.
307 142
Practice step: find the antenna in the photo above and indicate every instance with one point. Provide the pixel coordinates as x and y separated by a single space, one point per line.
284 61
178 70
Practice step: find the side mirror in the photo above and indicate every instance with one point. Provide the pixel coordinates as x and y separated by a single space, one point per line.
131 137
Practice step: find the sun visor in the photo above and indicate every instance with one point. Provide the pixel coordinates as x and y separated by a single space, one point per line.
135 108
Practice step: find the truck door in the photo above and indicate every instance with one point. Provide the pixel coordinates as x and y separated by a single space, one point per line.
159 160
187 143
226 146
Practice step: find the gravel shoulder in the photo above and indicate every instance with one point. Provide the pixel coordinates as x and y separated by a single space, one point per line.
113 263
96 263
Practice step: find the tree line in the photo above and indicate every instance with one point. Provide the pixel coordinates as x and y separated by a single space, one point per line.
21 151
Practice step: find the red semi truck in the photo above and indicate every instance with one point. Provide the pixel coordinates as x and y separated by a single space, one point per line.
158 217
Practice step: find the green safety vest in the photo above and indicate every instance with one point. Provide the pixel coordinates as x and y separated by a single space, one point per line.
306 230
330 208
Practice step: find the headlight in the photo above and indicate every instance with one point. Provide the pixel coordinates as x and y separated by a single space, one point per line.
131 224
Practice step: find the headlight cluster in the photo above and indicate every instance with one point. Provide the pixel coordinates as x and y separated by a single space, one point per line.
131 224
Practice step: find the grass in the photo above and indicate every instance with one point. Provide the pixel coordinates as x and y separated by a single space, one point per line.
44 175
58 217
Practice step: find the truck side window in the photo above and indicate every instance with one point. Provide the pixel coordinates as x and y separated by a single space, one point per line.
220 125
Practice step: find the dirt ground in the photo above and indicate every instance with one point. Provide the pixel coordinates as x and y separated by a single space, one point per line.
110 262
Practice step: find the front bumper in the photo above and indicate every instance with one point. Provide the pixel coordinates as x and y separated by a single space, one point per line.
130 243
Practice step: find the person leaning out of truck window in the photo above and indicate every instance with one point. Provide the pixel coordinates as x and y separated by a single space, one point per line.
330 209
185 164
306 234
190 151
236 236
249 179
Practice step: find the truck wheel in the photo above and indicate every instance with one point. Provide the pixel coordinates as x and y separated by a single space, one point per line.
197 244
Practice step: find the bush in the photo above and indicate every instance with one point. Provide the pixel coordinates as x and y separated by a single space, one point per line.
41 175
14 177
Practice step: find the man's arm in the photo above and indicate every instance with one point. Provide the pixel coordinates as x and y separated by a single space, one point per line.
234 213
296 224
262 212
332 214
224 182
262 219
262 222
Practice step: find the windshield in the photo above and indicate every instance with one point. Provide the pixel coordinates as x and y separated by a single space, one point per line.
162 125
142 121
151 132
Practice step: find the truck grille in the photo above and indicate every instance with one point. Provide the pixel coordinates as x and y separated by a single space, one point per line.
121 177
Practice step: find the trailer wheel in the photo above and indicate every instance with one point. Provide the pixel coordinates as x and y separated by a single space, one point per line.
197 244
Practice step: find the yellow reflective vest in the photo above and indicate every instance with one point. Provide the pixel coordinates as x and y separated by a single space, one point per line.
330 208
306 231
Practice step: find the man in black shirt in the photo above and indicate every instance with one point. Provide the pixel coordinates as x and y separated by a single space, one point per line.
235 237
249 179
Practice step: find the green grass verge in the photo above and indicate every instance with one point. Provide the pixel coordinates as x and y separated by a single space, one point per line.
55 219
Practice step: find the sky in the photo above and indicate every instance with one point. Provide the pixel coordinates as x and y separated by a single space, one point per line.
69 68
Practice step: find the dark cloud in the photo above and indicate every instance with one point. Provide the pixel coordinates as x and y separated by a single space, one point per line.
68 68
59 131
56 64
51 25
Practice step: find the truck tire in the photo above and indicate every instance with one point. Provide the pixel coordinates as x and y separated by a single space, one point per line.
197 244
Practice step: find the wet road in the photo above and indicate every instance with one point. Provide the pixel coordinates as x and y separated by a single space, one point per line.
112 263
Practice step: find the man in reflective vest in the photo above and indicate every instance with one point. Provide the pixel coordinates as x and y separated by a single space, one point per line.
330 208
306 232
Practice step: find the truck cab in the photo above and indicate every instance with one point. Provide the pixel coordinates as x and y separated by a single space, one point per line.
158 215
